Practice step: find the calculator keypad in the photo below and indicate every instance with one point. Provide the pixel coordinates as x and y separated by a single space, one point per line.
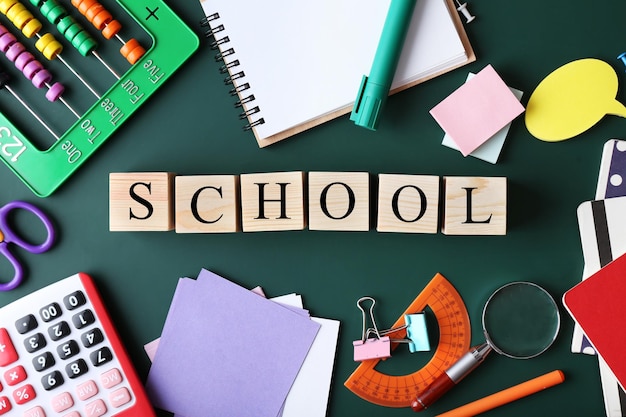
57 360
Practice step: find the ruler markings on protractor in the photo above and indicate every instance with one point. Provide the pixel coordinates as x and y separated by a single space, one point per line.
454 341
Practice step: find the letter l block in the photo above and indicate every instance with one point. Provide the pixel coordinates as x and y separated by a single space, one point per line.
475 206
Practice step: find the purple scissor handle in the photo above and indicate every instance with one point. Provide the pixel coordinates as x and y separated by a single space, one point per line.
8 235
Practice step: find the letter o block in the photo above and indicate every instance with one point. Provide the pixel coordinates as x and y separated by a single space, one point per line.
339 201
408 203
141 201
207 204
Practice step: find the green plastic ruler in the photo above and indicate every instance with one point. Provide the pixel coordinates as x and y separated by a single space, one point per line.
43 171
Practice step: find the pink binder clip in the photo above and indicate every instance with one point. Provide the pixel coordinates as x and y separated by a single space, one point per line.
370 348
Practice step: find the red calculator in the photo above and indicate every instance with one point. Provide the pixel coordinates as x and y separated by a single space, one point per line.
61 356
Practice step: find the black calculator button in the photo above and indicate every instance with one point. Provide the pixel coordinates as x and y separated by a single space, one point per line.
92 337
35 342
43 361
101 356
52 380
74 300
67 350
50 312
26 324
76 368
83 319
59 330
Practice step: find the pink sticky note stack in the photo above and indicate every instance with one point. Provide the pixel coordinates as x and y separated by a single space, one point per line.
477 110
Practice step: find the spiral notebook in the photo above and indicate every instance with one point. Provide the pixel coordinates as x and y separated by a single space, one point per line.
294 65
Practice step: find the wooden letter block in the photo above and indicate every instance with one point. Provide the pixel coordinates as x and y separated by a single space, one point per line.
141 201
339 201
207 204
272 201
408 203
475 206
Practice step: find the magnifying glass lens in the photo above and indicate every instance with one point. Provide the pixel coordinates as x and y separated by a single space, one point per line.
521 320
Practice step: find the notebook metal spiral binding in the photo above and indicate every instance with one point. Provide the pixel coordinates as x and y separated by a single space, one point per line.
231 69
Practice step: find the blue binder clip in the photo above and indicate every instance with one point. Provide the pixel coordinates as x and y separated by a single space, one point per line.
378 347
416 333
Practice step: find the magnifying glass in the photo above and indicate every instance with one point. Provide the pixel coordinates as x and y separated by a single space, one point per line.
520 320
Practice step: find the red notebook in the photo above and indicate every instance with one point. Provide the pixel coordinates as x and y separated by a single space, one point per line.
598 305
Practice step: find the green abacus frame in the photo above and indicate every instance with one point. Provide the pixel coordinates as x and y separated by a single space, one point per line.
43 172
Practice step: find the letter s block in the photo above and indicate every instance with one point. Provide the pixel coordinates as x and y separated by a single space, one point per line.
141 201
475 206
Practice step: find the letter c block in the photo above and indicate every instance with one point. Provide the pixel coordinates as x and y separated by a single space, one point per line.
207 204
141 201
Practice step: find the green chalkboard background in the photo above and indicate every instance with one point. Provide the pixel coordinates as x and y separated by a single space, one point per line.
190 127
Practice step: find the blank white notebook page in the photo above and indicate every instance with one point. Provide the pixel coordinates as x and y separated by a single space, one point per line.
304 60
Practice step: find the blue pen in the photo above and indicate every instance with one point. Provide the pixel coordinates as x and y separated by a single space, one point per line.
374 89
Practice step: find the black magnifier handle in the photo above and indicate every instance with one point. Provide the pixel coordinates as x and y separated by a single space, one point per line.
452 376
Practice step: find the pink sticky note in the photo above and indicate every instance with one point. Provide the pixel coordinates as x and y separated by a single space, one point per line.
477 110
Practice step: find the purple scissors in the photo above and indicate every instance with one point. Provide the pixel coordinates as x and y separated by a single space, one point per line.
7 235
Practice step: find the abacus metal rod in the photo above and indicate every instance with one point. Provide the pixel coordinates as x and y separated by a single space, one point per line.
78 76
115 74
32 112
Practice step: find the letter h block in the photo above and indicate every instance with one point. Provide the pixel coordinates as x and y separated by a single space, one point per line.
272 201
141 201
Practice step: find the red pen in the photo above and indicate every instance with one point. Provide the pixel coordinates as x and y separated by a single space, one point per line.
452 376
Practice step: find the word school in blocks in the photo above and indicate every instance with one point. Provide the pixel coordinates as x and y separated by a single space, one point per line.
275 201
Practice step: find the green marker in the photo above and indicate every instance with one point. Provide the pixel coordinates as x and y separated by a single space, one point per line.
374 89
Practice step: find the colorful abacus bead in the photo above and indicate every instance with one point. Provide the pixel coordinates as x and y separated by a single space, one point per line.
32 69
132 51
21 17
72 30
49 46
102 20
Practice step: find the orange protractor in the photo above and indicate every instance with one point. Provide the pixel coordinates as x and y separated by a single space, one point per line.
454 341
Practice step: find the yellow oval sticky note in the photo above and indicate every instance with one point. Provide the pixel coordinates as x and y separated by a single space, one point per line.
572 99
